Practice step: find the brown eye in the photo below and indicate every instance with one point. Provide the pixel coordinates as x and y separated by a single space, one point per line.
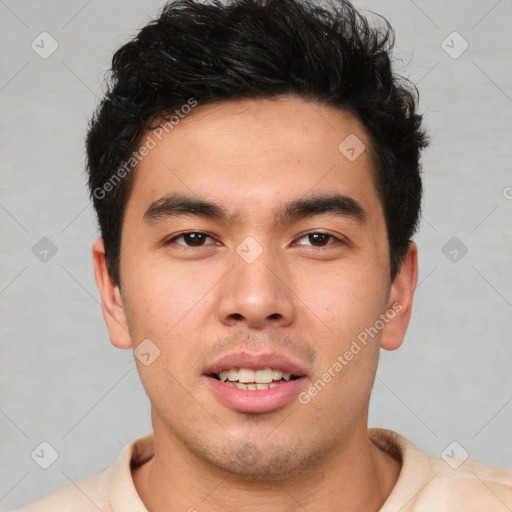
190 239
317 239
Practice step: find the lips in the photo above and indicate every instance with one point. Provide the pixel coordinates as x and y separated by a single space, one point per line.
255 383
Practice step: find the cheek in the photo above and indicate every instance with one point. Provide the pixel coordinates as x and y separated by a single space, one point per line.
161 295
341 307
162 305
348 306
345 299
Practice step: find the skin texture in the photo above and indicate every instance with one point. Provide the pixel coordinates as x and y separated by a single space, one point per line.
307 301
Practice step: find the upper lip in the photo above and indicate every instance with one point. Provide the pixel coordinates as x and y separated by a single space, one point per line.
256 362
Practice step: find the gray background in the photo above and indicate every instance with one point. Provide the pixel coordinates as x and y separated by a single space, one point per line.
60 379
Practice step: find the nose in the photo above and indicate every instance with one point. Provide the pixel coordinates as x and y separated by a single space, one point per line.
257 294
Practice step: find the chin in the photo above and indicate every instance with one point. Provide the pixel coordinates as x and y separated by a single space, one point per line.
267 463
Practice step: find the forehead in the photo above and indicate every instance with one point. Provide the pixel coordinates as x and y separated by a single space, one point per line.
250 153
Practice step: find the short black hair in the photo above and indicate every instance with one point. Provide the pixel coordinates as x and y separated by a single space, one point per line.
207 52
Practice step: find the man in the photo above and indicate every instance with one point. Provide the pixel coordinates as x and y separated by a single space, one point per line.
255 172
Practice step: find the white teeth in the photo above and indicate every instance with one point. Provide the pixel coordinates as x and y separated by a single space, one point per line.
263 376
277 375
245 375
253 387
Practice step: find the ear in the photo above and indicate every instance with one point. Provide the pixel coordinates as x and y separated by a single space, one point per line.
111 301
400 300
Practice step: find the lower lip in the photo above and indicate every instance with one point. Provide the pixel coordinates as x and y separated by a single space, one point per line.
258 401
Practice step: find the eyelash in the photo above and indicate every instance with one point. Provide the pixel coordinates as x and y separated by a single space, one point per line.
172 240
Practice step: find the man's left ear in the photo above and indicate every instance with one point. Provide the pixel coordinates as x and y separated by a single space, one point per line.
400 300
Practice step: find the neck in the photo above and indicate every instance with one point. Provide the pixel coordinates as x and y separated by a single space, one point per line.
358 476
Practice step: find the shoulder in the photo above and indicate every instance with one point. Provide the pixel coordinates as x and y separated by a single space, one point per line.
110 489
85 496
470 484
446 483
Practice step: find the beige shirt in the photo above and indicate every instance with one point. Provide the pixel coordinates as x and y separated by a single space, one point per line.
425 484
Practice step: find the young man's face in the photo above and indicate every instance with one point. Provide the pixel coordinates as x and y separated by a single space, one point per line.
255 288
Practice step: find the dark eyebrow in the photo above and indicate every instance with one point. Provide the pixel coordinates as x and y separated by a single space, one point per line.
177 204
335 204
